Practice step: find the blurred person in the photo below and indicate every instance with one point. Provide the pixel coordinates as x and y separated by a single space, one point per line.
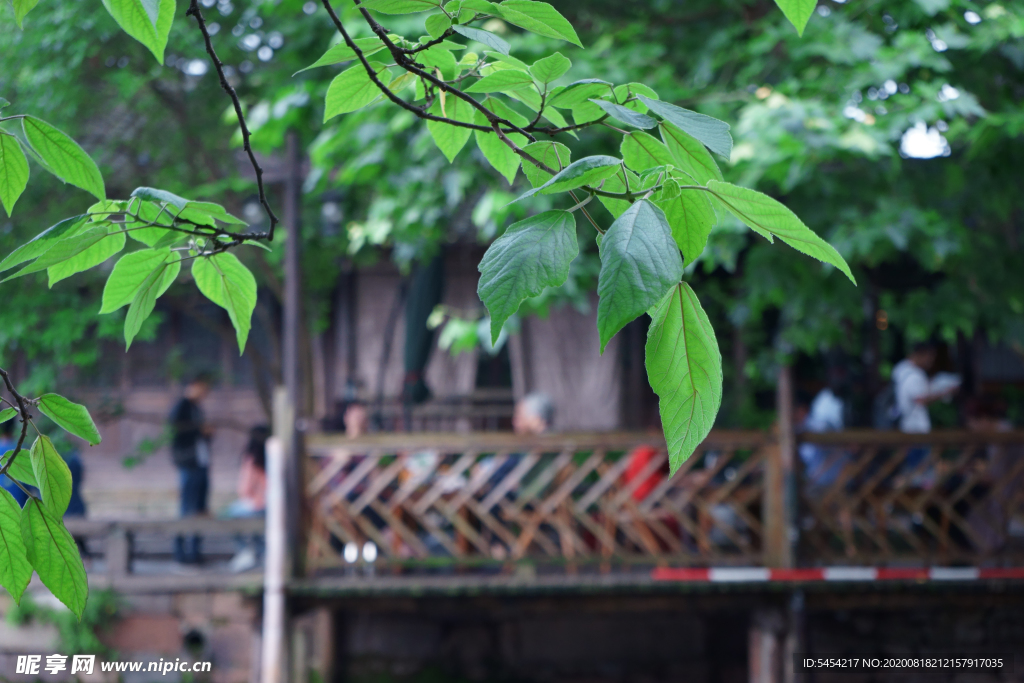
533 414
990 519
190 450
252 497
913 392
7 443
356 419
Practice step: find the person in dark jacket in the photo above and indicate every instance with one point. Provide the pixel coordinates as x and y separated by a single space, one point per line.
190 450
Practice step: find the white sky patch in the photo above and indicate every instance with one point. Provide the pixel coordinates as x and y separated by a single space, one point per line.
922 142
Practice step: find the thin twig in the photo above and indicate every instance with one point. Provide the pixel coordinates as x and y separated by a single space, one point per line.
194 11
23 405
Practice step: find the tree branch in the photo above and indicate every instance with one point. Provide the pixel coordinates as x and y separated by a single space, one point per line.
194 11
23 405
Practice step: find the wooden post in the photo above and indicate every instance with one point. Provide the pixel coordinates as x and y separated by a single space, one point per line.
765 644
274 668
119 553
780 483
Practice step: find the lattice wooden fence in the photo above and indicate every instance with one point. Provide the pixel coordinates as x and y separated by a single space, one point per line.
572 502
941 498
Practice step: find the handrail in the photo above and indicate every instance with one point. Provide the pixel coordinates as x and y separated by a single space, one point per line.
874 437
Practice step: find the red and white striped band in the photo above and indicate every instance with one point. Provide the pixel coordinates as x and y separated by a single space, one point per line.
762 574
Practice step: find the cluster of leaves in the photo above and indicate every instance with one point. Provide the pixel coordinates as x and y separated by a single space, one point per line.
33 537
663 192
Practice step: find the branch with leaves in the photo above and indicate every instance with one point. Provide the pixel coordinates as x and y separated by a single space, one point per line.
664 194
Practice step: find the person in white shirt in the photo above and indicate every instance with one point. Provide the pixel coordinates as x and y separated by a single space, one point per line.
913 394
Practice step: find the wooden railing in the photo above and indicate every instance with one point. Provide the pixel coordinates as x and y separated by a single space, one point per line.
566 501
604 502
940 498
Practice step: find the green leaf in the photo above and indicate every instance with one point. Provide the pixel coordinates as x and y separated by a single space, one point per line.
21 8
352 89
714 134
52 474
499 81
484 37
617 183
7 414
442 59
550 68
691 217
67 248
400 6
4 103
639 263
15 569
147 21
42 242
214 212
63 156
13 171
226 282
684 367
481 6
540 18
625 114
148 212
21 469
437 24
54 555
448 138
689 155
151 194
640 151
551 154
532 254
579 91
343 53
585 171
89 257
798 12
151 289
497 153
767 217
71 417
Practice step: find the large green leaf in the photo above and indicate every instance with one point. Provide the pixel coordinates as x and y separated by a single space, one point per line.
448 138
500 81
532 254
400 6
580 91
90 256
21 8
15 569
550 68
582 172
691 217
54 555
42 242
52 475
625 114
63 156
68 248
640 151
144 300
484 37
767 217
497 153
798 12
714 134
437 24
147 21
128 274
684 367
7 414
226 282
147 212
22 467
689 155
540 18
552 154
639 263
13 171
352 89
71 417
